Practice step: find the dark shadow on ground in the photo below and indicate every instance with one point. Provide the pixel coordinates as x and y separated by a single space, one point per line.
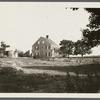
16 81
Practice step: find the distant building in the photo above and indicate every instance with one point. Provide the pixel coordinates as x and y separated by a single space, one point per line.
27 54
44 47
10 52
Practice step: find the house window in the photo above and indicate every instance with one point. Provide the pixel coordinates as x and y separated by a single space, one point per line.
36 54
46 47
49 47
38 42
43 42
46 54
36 48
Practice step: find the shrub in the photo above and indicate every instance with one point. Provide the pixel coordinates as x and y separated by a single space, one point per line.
83 84
11 80
9 71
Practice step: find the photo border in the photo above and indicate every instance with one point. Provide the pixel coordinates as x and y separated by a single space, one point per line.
54 96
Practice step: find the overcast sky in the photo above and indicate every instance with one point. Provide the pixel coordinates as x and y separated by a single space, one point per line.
21 24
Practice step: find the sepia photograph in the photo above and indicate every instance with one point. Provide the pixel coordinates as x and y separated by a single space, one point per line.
49 47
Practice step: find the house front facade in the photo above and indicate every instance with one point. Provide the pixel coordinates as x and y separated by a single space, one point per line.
44 47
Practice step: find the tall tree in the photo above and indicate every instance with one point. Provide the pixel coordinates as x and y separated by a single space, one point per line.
94 19
66 47
81 48
91 38
91 35
20 53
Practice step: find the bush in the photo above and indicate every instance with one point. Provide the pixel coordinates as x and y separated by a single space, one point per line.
9 71
83 84
11 80
36 56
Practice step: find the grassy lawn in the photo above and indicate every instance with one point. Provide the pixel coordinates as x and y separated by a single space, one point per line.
16 81
13 80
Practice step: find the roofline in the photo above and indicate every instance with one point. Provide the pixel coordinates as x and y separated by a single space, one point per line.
47 41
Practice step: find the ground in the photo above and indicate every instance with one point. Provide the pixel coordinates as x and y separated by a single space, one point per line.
52 67
51 75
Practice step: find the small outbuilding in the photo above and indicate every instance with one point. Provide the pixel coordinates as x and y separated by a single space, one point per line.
11 52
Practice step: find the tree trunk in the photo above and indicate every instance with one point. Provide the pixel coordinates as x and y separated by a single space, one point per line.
68 56
82 56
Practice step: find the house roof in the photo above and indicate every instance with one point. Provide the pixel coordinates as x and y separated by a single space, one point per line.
50 41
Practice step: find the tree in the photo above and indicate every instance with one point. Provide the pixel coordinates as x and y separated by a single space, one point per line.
94 19
66 47
3 45
58 51
91 38
91 35
81 48
3 48
20 53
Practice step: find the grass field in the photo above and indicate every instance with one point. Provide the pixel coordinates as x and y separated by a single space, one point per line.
23 75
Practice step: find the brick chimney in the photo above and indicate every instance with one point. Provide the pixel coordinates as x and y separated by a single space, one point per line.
47 36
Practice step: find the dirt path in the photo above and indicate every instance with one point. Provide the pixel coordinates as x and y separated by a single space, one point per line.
40 71
49 72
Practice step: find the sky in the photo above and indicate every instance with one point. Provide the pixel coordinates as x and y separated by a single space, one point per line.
21 24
